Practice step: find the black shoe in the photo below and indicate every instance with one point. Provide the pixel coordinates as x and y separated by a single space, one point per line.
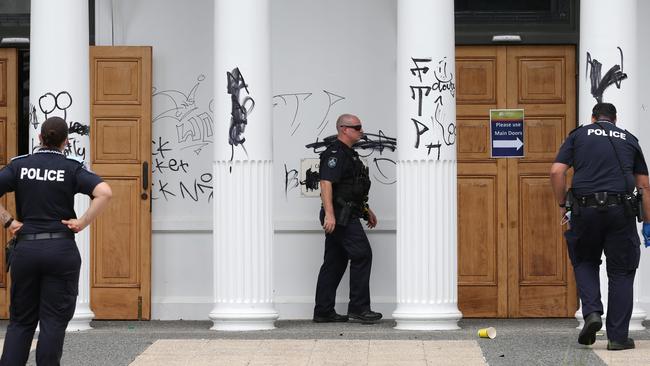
593 323
367 316
616 346
332 318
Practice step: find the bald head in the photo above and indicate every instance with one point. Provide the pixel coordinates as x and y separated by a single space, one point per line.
346 120
348 128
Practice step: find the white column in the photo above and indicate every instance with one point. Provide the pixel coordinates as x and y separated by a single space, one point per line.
426 169
59 86
605 45
243 162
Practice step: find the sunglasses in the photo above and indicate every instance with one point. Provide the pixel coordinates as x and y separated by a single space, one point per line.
355 127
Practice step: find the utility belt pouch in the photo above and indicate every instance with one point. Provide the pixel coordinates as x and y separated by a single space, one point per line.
570 203
343 212
9 250
629 205
639 206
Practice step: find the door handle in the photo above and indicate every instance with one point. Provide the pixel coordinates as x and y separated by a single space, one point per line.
145 176
145 180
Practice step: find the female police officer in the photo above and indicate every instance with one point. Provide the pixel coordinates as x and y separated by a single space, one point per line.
45 263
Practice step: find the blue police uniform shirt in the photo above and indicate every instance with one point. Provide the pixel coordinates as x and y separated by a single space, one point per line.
335 162
596 169
45 184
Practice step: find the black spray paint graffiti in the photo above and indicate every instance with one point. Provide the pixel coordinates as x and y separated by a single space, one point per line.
164 162
370 143
444 83
614 75
239 111
50 104
194 127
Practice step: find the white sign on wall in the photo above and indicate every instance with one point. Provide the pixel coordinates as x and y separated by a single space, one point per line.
309 177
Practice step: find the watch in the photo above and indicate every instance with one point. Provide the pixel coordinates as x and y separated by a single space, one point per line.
8 222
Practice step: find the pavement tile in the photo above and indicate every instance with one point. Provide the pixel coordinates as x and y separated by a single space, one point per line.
638 356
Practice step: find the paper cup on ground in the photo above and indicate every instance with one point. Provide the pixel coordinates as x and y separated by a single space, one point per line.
487 333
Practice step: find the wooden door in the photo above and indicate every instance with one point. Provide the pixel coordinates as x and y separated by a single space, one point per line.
512 258
120 85
8 149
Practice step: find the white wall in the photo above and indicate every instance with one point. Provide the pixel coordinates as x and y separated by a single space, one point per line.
321 51
339 56
643 134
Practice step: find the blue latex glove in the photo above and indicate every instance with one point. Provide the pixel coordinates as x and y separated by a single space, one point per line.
646 233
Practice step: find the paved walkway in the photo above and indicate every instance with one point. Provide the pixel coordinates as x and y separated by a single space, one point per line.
518 342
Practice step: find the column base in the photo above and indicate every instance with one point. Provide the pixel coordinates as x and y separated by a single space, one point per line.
244 319
427 318
81 319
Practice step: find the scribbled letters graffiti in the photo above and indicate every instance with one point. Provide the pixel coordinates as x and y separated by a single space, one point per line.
439 132
194 126
183 129
51 104
614 75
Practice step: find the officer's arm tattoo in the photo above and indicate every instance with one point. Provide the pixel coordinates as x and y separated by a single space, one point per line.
5 216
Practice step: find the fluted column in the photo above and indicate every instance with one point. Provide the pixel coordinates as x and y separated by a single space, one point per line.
605 47
426 169
243 162
59 86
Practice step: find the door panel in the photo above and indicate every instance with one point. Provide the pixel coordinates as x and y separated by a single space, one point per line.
8 149
121 154
517 267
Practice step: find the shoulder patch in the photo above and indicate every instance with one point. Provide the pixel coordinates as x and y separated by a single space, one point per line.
331 162
19 157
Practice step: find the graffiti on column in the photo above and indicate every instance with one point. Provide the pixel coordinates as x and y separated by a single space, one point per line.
183 130
440 132
240 110
50 105
614 75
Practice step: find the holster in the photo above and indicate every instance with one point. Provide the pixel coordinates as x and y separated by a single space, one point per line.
9 250
343 212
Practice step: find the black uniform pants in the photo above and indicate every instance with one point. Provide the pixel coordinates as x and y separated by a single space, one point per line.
346 243
592 231
44 288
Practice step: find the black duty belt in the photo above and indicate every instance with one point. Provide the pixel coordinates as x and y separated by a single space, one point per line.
46 236
601 199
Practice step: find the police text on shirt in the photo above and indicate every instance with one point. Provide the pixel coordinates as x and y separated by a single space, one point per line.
46 175
601 132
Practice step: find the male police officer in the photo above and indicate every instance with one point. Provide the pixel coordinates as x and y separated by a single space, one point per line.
45 263
607 163
344 188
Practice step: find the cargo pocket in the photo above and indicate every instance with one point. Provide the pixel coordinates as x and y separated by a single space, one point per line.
68 301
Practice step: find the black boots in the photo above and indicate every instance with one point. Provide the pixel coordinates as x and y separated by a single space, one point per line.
593 323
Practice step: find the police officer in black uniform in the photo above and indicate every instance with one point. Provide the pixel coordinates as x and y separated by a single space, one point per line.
344 184
45 262
608 164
